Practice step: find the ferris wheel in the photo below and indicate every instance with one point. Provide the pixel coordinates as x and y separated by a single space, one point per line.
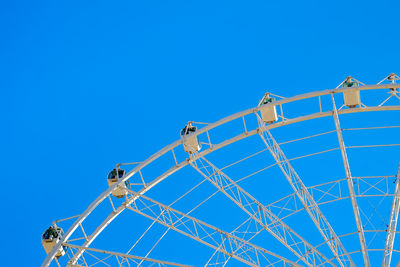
310 180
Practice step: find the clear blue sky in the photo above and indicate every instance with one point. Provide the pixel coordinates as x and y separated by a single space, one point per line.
85 85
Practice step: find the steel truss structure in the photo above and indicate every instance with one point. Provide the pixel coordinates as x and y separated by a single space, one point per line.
305 197
272 218
394 215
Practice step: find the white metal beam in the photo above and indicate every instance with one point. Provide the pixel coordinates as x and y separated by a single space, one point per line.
350 185
305 197
126 256
258 212
204 233
169 148
391 230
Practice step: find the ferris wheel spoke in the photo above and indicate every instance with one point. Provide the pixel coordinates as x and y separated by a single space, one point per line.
204 233
120 257
237 231
305 197
350 185
326 193
331 192
391 230
249 130
258 212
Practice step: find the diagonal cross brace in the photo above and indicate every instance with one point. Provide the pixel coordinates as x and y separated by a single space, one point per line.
391 230
153 262
305 197
207 234
350 185
258 212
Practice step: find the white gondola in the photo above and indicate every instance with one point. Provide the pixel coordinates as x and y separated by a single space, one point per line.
268 110
351 97
393 78
113 177
50 238
190 140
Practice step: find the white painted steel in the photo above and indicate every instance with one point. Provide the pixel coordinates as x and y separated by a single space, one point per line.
391 230
127 256
204 233
169 148
259 213
350 185
305 197
328 193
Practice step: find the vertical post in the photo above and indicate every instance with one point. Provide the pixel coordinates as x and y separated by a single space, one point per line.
244 123
391 230
173 153
209 140
320 104
350 184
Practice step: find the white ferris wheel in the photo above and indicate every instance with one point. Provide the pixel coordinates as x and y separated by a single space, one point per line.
310 180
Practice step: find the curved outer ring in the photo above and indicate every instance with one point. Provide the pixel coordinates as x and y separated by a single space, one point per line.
168 148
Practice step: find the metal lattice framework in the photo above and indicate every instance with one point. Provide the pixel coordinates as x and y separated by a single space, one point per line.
271 232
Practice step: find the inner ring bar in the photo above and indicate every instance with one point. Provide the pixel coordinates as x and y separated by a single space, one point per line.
169 148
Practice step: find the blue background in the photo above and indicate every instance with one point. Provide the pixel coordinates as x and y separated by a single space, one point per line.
87 85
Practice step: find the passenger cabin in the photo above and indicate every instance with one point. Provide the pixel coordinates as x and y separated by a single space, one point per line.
351 97
191 142
113 177
50 238
268 111
392 78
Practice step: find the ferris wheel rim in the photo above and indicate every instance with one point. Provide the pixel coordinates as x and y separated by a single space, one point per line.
220 122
